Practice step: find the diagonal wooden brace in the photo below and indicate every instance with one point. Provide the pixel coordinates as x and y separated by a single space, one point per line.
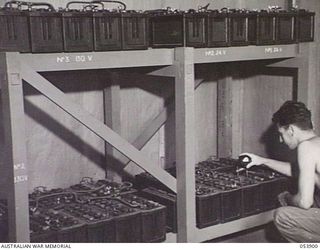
96 126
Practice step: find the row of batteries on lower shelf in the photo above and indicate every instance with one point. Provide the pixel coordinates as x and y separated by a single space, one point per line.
105 211
38 27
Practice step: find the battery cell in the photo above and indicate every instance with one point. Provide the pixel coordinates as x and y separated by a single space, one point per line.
218 29
14 30
134 30
166 199
238 28
271 185
77 30
243 27
99 225
167 29
107 30
153 217
252 28
196 29
266 27
285 27
40 233
45 30
208 206
49 225
126 220
305 26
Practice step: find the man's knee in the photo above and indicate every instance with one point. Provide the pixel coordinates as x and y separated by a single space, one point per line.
283 218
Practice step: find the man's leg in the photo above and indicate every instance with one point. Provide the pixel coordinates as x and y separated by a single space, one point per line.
298 225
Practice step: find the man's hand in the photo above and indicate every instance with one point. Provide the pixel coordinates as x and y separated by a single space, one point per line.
284 198
255 159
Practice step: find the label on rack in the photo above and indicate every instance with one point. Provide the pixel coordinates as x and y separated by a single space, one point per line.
20 178
75 59
216 52
19 166
272 50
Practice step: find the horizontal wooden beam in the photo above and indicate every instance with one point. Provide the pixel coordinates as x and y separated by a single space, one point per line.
220 230
246 53
98 60
152 57
96 126
216 231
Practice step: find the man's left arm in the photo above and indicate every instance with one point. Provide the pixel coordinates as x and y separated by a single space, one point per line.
306 181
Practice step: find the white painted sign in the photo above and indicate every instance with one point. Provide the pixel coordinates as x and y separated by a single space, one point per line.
216 52
74 59
272 50
20 178
19 166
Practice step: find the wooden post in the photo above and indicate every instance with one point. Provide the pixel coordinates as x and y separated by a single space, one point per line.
224 106
185 141
230 109
307 82
237 112
112 113
15 161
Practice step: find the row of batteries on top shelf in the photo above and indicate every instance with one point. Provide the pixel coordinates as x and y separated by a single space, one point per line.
38 27
105 211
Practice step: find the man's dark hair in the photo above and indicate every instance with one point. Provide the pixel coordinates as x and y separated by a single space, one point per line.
292 112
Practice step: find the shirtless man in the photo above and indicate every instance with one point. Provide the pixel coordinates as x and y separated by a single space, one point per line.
298 220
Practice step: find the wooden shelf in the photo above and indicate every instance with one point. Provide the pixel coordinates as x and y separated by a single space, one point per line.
247 53
98 60
152 57
231 227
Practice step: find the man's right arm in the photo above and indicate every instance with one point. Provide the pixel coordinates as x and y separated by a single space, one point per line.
279 166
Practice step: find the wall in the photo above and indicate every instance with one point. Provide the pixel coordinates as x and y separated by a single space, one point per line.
264 92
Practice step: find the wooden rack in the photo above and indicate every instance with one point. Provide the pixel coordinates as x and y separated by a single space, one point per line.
178 63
